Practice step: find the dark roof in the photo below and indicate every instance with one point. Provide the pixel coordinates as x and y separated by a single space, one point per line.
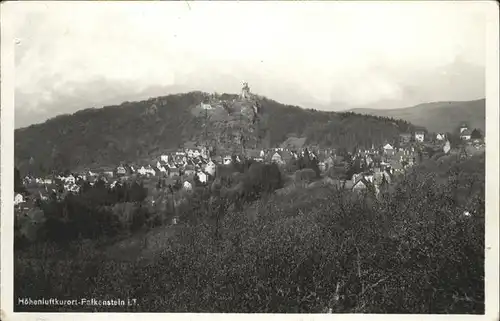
286 155
294 142
190 145
253 153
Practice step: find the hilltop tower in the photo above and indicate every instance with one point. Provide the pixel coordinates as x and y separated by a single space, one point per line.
245 91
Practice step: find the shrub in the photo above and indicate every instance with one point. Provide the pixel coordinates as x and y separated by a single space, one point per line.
411 251
306 175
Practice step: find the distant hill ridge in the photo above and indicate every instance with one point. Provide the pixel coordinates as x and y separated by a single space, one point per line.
437 116
139 130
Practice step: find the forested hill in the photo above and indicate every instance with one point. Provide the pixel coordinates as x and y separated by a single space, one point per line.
437 116
138 130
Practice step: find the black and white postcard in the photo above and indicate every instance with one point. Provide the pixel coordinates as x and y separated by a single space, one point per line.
249 159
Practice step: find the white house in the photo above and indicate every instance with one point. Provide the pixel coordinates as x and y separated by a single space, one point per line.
419 136
202 177
18 199
369 160
369 178
73 188
262 154
187 186
465 134
227 160
447 147
164 158
204 153
142 171
440 136
121 170
210 168
70 180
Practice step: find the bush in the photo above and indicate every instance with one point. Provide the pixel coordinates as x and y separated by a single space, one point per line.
411 251
306 175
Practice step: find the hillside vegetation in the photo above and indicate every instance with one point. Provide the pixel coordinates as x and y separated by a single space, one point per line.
138 130
438 116
417 249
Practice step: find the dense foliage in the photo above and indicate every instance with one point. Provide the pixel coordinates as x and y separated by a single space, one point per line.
91 214
417 249
133 131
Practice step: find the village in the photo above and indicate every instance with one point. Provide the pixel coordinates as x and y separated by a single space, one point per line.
195 166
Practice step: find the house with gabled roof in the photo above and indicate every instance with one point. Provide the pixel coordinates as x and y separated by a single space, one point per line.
419 136
189 170
388 150
465 134
202 177
173 171
253 153
227 160
440 136
395 166
276 158
360 184
121 170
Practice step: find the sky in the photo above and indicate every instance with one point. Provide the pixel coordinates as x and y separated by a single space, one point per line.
326 55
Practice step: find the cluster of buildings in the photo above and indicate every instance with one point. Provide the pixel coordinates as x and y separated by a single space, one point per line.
194 162
420 136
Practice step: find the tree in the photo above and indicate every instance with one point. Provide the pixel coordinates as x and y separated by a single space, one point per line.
18 182
476 134
197 181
